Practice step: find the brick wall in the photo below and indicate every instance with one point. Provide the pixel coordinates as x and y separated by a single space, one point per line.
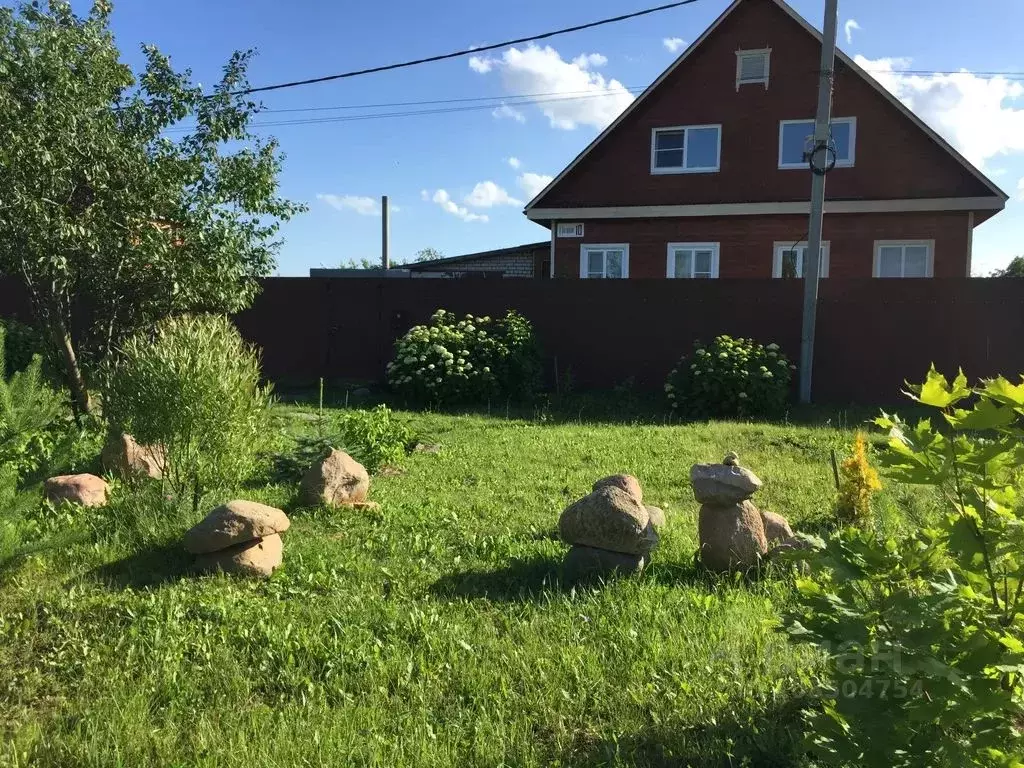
511 265
747 242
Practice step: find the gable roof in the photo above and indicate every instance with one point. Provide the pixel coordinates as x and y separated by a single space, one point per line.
846 60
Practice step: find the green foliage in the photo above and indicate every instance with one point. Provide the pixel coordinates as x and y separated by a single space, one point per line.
472 360
21 343
194 388
858 482
29 409
114 221
933 620
730 378
1014 269
375 438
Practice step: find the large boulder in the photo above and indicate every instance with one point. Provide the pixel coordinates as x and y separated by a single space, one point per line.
609 518
236 522
583 563
258 557
337 481
731 537
627 483
124 457
723 484
87 490
776 528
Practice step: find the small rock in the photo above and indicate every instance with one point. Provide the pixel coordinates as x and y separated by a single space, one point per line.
731 537
722 485
627 483
609 518
582 563
124 457
87 490
776 528
426 448
259 557
732 459
236 522
657 515
337 480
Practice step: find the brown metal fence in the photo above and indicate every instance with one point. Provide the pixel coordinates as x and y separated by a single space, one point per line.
872 334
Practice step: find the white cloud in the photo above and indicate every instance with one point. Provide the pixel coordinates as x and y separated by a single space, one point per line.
510 112
364 206
514 162
487 194
848 28
591 99
480 64
443 199
533 183
673 43
977 115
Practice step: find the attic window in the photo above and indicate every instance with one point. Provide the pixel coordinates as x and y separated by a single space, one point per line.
752 67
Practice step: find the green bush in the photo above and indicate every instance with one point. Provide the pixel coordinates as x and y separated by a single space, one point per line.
29 410
924 633
374 438
193 387
730 378
21 343
472 360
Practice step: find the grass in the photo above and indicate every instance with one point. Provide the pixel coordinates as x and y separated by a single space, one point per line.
434 632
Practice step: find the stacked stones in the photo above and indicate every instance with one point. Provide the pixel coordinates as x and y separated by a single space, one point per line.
240 537
337 481
610 529
734 534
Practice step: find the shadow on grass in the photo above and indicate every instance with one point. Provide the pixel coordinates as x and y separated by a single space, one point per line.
522 580
150 567
766 738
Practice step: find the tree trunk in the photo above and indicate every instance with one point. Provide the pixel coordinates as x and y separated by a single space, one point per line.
80 399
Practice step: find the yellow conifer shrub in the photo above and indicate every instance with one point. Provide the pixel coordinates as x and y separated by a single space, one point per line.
858 481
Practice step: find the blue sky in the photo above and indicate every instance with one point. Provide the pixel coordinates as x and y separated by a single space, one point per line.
459 178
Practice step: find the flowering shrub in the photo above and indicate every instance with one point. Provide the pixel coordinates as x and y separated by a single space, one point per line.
730 377
469 360
859 482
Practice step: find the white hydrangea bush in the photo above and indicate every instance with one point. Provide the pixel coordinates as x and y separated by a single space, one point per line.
472 359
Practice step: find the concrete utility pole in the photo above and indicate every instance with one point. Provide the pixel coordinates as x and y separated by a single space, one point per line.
385 233
821 158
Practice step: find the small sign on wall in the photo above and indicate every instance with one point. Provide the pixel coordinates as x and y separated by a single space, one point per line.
570 230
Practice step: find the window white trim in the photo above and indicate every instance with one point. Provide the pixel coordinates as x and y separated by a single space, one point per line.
686 138
767 53
880 244
585 250
848 163
780 247
670 260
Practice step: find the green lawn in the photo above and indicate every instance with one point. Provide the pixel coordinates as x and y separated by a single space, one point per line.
432 633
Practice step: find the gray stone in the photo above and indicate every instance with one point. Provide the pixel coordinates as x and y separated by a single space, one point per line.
336 481
124 457
87 490
627 483
234 523
721 484
776 528
657 516
259 557
583 563
609 518
731 537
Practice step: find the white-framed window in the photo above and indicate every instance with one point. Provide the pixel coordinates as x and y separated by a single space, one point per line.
789 260
604 261
686 149
752 67
796 137
692 260
904 258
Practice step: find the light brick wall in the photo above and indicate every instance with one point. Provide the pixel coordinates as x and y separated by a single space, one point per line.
511 265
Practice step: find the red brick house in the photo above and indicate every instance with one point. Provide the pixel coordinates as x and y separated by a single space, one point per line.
704 175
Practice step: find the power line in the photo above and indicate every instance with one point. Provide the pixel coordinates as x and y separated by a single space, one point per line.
466 52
